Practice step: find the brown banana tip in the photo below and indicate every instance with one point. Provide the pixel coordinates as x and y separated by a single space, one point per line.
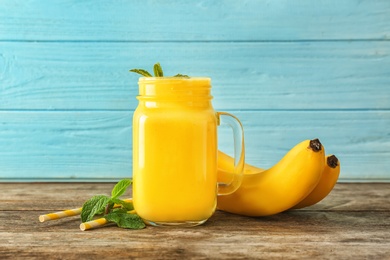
332 161
315 145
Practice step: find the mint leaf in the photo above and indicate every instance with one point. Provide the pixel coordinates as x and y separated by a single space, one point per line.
119 210
181 76
93 206
125 220
127 205
142 72
120 188
158 72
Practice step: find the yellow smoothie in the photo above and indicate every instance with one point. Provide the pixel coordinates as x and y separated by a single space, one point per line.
175 151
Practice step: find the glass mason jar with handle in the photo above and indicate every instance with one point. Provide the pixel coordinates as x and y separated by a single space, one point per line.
175 151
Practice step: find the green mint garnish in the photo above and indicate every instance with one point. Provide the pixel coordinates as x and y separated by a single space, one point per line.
125 205
120 188
94 206
142 72
158 72
181 76
125 220
102 204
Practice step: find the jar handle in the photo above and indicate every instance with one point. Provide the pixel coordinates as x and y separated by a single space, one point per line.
234 178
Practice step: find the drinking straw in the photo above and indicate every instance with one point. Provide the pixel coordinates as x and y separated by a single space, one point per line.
93 224
68 213
60 214
96 223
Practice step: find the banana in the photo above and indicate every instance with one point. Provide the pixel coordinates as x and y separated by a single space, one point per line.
328 180
225 166
268 192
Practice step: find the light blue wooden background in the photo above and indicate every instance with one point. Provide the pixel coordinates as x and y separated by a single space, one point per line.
290 70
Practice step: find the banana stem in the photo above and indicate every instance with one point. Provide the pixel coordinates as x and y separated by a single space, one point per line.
332 161
315 145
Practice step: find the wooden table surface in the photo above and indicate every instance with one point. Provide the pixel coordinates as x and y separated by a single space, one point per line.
353 222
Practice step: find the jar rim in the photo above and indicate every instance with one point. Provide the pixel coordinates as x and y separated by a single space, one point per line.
142 79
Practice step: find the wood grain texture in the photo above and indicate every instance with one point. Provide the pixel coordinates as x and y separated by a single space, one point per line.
294 75
176 20
39 196
351 223
77 145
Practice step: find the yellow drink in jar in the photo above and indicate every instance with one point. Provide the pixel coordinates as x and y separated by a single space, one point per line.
175 151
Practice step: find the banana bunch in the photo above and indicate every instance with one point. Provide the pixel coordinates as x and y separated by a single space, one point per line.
303 177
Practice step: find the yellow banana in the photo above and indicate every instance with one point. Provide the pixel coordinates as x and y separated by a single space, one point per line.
328 180
226 164
279 188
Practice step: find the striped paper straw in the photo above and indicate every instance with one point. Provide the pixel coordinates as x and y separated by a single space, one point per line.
60 214
68 213
93 224
97 222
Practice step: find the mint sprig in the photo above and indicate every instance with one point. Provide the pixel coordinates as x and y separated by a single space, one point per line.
94 206
157 70
125 220
120 188
102 204
142 72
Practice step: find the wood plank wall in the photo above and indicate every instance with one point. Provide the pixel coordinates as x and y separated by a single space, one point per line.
290 70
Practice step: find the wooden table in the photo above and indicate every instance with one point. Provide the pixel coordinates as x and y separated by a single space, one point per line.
353 222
